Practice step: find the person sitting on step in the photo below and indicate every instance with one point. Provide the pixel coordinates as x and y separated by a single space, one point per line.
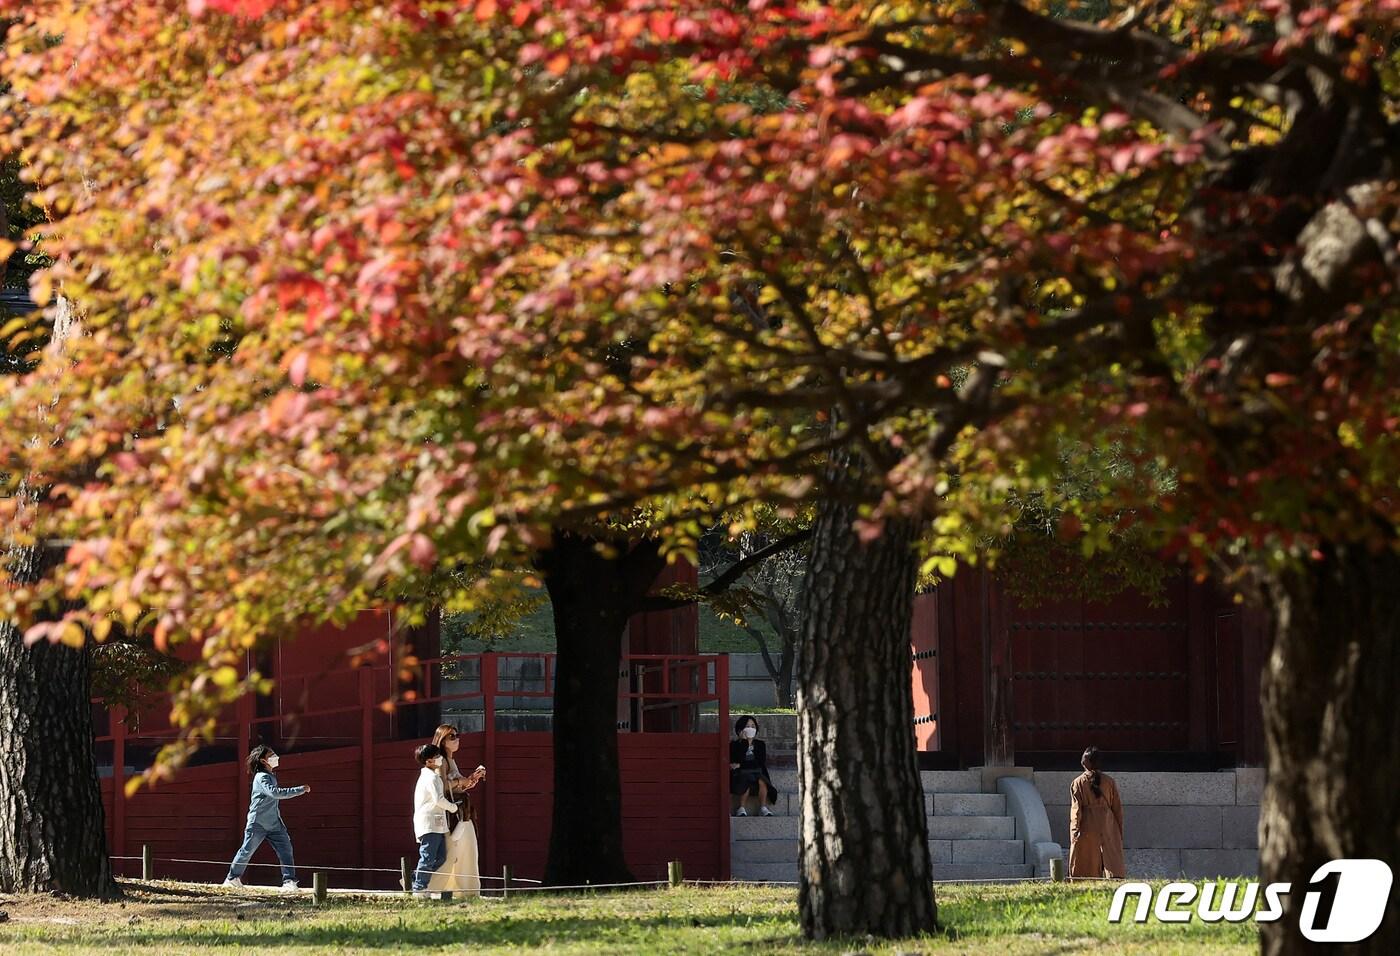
748 770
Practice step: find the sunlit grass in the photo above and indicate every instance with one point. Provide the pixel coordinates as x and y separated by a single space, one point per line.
1015 919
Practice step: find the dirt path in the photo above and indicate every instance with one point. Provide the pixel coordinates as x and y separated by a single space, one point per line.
146 902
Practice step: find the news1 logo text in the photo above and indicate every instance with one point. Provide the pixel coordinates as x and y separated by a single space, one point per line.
1344 901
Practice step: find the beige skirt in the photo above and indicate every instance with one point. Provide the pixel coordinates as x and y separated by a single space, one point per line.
460 872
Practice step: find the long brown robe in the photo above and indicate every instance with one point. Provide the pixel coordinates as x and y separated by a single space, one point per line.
1095 828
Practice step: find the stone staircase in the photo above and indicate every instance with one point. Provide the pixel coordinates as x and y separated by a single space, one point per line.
971 834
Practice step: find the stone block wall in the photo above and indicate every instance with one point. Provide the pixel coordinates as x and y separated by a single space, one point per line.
1194 825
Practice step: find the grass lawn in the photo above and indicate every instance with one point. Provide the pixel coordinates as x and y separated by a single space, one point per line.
171 918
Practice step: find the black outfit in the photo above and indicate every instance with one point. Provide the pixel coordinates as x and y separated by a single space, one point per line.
752 758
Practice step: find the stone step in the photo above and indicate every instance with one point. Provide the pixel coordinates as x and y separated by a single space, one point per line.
787 872
780 850
966 804
968 828
764 828
988 851
763 851
951 781
983 871
784 778
933 781
766 872
789 803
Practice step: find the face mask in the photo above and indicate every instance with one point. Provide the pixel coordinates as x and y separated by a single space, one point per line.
272 762
750 733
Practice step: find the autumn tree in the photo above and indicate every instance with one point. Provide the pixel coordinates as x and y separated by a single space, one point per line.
435 278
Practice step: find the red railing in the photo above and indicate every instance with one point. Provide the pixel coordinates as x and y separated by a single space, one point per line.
649 684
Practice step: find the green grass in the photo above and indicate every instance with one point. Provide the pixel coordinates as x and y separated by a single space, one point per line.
1001 920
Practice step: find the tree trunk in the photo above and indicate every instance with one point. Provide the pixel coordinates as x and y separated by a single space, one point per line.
1331 724
864 858
52 826
783 684
592 598
53 835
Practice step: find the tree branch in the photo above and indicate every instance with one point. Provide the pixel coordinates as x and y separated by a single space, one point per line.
735 571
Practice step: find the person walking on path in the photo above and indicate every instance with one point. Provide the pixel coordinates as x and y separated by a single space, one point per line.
460 871
265 819
430 809
1095 822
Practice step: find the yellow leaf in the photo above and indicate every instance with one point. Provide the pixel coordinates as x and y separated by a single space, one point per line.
41 288
71 633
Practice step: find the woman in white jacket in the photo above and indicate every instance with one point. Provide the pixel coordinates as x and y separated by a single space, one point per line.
460 871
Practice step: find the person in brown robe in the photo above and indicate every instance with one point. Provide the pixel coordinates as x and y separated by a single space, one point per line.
1095 822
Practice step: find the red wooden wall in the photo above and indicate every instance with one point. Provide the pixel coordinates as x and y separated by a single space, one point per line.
359 813
1179 678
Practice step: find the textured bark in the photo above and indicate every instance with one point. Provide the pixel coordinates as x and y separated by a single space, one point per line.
864 863
592 598
52 827
1331 726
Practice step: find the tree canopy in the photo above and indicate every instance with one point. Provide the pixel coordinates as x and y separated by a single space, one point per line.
370 291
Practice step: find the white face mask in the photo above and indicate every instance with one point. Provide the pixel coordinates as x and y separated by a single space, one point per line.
273 761
750 733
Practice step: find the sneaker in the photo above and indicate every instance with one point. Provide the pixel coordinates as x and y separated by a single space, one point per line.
233 883
289 886
741 812
765 812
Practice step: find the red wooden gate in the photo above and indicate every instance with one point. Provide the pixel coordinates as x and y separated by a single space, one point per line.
1112 673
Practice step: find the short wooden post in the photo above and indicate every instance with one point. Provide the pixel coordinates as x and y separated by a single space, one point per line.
1057 869
505 880
406 876
318 888
675 873
148 863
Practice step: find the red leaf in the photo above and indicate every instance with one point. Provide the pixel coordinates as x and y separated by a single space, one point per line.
422 550
247 9
662 23
297 371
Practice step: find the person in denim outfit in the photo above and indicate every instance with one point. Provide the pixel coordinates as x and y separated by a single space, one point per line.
265 819
430 809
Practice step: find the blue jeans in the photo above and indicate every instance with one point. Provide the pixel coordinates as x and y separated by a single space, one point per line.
252 838
432 852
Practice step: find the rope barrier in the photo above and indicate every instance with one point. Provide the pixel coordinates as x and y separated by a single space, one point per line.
324 869
539 885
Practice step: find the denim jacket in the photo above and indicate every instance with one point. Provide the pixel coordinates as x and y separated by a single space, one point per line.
262 808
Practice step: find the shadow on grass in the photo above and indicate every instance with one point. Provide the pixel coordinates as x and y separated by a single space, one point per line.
369 931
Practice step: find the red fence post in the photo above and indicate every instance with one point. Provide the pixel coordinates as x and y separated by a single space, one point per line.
722 724
366 773
116 718
489 674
